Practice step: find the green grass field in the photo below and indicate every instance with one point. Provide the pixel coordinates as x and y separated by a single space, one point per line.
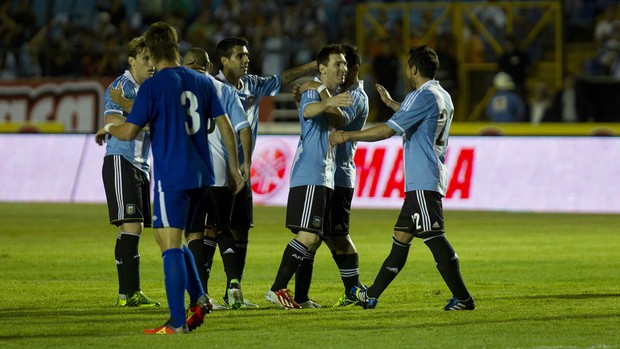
540 281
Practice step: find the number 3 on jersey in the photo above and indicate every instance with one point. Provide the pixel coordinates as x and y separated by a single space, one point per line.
192 122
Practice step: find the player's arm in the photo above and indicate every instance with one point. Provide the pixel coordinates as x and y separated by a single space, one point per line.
386 98
295 73
230 143
125 131
245 136
116 96
373 134
329 106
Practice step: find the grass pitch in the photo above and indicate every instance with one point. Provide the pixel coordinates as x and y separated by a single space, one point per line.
540 281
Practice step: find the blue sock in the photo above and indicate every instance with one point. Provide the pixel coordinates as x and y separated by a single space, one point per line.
194 286
175 279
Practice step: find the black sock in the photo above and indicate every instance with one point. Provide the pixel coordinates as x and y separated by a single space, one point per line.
392 265
292 256
196 246
303 277
131 262
348 266
122 285
448 265
229 256
241 248
210 246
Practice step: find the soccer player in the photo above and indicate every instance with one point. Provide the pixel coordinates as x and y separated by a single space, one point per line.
177 103
423 119
337 239
312 173
233 56
125 173
212 220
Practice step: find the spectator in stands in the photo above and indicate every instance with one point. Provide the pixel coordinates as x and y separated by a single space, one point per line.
505 105
564 105
605 25
539 103
516 63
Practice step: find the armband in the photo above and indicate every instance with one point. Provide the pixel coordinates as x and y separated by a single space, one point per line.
320 89
107 127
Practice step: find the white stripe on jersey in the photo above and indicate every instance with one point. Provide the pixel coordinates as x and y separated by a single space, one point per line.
305 216
162 206
118 186
426 220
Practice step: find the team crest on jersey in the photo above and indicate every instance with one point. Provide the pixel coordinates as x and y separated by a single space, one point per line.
130 209
316 222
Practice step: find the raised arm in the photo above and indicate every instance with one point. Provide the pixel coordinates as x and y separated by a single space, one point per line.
288 76
328 105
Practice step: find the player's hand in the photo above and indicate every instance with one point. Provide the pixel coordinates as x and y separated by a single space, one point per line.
310 85
337 137
116 95
296 94
385 95
236 181
245 171
100 136
340 100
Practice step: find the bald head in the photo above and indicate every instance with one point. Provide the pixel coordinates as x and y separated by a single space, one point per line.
198 60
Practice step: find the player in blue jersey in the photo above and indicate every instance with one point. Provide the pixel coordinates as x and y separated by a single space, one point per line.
126 173
211 225
423 119
312 173
233 56
177 103
337 239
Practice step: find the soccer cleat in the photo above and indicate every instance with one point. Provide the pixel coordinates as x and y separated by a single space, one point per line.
309 304
345 301
167 329
216 306
248 304
235 296
121 302
195 315
282 298
455 304
139 299
365 301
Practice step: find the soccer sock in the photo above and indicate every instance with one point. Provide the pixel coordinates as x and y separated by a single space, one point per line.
196 246
292 256
209 246
392 265
229 256
303 277
194 287
348 265
448 265
122 285
131 261
241 248
175 279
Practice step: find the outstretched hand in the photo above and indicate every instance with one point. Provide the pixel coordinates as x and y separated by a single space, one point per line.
385 95
340 100
336 137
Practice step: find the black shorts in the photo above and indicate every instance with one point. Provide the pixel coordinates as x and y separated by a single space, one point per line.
421 214
213 211
308 209
340 211
242 216
127 190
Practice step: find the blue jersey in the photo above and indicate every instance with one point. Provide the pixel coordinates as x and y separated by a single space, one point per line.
177 103
314 162
345 164
136 151
505 106
253 89
424 120
234 109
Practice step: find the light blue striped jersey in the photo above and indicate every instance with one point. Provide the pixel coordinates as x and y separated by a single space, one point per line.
234 109
314 162
345 153
137 150
253 89
424 120
177 103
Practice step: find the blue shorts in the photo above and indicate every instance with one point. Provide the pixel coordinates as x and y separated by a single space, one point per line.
176 208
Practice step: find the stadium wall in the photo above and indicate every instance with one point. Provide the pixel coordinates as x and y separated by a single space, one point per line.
539 174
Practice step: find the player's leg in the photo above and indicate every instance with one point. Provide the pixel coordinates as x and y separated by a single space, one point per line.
303 278
242 219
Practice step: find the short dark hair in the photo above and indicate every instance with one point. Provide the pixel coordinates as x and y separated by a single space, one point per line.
163 42
352 55
225 47
323 56
201 57
425 59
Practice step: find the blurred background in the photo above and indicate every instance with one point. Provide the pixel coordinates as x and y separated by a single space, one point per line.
560 58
